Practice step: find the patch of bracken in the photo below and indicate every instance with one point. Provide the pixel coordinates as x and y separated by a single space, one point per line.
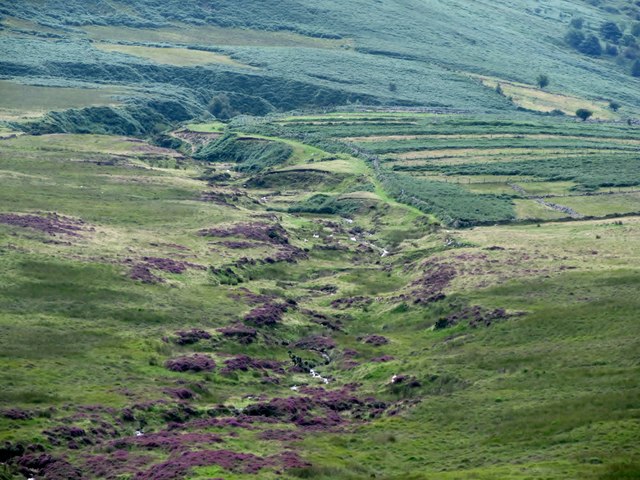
48 467
51 224
351 302
194 363
189 337
244 363
375 340
262 232
315 342
267 315
239 332
474 316
178 466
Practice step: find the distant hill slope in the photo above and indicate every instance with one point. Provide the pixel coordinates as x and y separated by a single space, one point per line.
288 54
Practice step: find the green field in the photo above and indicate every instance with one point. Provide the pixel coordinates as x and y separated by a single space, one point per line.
90 313
18 101
332 241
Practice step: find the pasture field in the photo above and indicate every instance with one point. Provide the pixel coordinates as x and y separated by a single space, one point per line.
19 101
516 168
174 56
210 36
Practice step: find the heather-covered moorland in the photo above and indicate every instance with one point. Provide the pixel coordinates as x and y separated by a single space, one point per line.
284 241
171 313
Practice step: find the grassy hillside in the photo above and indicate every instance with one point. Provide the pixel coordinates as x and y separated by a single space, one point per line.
163 310
334 241
293 56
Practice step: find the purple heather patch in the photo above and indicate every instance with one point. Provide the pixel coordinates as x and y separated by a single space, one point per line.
188 337
171 441
144 275
375 340
49 467
251 298
117 464
180 393
382 359
280 435
436 278
169 265
351 302
51 224
178 466
476 316
267 315
194 363
244 363
16 414
315 342
319 409
242 333
324 320
238 245
262 232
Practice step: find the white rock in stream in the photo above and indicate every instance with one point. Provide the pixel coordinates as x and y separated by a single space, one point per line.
315 374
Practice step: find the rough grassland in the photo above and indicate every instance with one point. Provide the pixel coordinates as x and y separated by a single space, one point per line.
514 344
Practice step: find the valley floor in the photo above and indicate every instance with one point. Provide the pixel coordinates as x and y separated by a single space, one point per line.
339 296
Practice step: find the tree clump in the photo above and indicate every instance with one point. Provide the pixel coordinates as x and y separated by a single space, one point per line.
542 80
583 114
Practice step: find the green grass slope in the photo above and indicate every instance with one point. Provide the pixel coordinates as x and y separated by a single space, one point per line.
291 55
162 311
